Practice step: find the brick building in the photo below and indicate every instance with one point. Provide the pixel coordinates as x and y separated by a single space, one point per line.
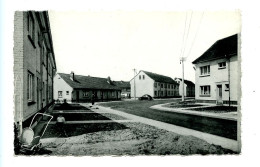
34 64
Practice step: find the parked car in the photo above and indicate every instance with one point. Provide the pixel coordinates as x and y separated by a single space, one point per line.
146 97
123 95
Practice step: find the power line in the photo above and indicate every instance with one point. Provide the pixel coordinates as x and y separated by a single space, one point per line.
183 35
187 35
195 35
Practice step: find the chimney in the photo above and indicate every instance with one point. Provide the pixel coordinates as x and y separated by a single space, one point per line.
109 80
72 76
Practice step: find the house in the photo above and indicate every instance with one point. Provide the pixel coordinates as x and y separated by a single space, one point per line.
189 87
125 88
79 88
155 85
217 74
34 65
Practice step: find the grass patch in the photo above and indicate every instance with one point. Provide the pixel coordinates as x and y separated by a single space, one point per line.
216 109
80 116
79 129
113 116
176 105
220 127
67 106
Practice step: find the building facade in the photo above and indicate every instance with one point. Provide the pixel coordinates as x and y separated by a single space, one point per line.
217 76
79 88
34 64
189 87
155 85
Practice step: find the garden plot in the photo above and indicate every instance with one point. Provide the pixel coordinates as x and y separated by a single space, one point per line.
126 139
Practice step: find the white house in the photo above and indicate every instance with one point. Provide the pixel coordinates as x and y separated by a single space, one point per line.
79 88
155 85
217 74
189 87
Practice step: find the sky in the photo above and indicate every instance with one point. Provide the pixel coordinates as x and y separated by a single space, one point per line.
113 43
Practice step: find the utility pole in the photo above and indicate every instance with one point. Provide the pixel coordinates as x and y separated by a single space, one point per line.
134 85
182 62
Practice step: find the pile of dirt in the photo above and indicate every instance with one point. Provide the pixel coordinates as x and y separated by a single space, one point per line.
136 139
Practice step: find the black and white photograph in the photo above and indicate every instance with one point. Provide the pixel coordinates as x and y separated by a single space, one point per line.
126 83
133 83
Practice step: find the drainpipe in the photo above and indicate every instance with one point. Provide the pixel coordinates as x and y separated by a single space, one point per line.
228 62
229 82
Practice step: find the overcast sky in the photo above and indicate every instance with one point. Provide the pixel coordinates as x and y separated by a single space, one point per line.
113 43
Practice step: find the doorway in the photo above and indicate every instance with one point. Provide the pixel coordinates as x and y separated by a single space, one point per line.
219 94
77 96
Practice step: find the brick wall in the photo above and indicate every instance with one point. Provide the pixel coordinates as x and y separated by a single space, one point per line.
18 65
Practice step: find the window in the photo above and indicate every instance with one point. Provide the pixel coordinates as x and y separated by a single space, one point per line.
168 86
143 76
67 93
161 85
155 93
113 93
44 53
162 93
31 28
172 86
39 38
155 85
59 94
139 77
43 91
30 87
226 87
221 65
205 70
169 93
85 94
165 85
205 90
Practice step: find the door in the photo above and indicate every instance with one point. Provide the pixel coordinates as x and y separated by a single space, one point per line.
77 96
219 94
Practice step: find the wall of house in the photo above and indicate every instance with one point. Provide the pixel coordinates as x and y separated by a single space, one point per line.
142 86
170 90
30 66
18 66
85 95
217 76
61 85
27 60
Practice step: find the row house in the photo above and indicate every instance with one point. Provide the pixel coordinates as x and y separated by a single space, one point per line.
155 85
79 88
217 74
34 65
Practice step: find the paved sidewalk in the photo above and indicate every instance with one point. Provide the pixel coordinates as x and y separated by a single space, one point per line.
212 139
228 115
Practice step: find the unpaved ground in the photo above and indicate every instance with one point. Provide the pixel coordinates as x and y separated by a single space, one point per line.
136 139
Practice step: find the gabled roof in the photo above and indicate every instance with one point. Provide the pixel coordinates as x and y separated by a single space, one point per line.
221 48
88 82
160 78
122 84
187 82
